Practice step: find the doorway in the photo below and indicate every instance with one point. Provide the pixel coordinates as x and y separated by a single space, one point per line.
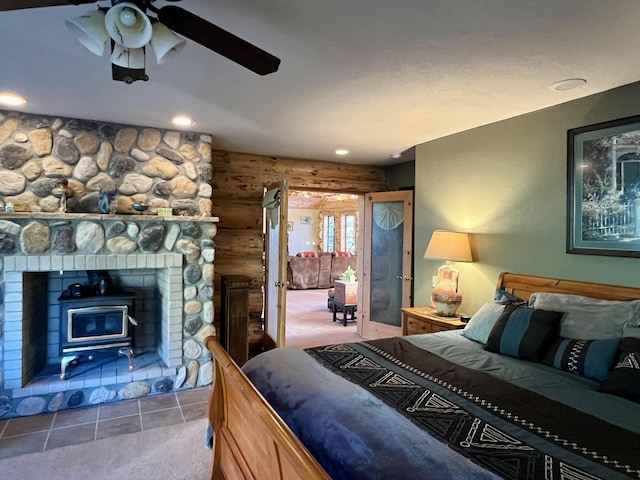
387 282
325 224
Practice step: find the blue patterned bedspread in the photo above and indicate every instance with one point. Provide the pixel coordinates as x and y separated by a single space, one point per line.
446 421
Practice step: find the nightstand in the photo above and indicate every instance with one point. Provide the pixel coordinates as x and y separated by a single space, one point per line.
425 320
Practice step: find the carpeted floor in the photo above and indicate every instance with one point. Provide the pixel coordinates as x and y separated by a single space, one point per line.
310 323
175 452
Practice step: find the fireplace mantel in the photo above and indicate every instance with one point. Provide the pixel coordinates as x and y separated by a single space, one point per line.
105 217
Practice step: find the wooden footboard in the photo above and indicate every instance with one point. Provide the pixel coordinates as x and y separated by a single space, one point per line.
251 441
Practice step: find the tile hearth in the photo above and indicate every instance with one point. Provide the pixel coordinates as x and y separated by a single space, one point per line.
101 371
23 435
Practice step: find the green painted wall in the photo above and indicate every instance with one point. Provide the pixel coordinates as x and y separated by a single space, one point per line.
402 175
506 184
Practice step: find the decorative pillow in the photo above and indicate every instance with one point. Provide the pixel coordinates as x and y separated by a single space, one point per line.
307 254
630 331
587 358
342 254
505 298
480 324
624 380
523 332
589 318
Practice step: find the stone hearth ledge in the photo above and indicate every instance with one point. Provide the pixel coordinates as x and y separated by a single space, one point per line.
105 217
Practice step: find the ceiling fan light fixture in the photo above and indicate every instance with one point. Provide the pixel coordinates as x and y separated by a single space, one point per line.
165 43
90 30
130 30
128 25
131 58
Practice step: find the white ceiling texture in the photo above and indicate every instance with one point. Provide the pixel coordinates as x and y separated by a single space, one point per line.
374 77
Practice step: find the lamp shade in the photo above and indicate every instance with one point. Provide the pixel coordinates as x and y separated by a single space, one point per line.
90 30
165 43
452 246
128 25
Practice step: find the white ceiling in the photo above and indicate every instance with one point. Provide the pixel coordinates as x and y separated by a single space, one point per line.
374 77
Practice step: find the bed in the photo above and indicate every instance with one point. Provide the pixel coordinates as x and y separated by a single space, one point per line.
519 393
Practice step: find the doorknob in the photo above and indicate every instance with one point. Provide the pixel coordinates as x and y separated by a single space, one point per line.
279 284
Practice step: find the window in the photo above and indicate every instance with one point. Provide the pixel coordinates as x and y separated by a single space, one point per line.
349 233
329 234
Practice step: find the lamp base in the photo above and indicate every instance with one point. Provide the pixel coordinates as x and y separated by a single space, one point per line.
446 306
446 296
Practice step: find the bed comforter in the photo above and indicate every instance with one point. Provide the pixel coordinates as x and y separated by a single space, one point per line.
438 406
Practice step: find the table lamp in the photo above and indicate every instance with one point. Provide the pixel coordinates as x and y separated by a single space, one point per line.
450 246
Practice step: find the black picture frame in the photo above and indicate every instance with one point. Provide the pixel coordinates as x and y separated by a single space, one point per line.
603 188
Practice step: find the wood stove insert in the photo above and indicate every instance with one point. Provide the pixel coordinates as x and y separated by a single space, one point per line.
89 324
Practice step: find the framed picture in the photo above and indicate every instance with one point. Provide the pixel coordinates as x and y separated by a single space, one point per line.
305 220
603 188
290 226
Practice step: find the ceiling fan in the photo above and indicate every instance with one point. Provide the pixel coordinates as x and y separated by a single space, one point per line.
130 29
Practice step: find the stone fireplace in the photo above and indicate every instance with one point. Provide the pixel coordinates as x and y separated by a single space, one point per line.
167 261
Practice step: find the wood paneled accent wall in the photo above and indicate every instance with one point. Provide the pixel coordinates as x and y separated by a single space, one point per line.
238 183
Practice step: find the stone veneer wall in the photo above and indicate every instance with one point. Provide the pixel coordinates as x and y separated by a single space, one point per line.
161 168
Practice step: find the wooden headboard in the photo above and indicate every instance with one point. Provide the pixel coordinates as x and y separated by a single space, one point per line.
523 286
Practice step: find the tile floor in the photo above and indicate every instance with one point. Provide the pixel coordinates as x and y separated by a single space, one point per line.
51 430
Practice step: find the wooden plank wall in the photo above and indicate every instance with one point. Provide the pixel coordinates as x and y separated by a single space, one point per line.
238 184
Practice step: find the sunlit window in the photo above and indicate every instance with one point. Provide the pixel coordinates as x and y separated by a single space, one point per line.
329 234
349 234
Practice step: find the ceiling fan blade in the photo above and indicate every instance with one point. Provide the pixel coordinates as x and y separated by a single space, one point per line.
218 40
6 5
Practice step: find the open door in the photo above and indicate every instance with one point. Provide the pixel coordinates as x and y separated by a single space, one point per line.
387 260
275 282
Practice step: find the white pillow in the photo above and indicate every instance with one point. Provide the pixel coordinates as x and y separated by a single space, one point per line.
588 318
481 324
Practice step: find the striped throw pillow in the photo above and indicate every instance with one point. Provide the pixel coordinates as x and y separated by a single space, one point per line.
523 332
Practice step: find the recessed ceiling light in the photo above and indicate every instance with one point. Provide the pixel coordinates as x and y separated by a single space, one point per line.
11 99
182 120
342 151
568 84
395 155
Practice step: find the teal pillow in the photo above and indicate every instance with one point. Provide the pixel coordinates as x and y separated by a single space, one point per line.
588 358
505 298
480 324
523 332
